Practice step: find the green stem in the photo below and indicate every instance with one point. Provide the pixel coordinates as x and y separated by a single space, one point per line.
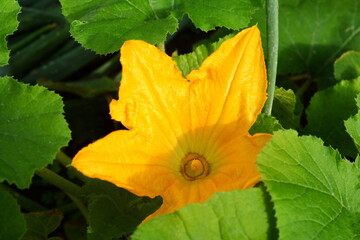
58 181
80 205
272 10
65 160
69 188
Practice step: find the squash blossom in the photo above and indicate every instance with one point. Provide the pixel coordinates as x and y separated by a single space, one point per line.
188 137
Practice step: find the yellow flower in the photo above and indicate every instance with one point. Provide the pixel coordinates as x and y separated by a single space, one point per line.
187 138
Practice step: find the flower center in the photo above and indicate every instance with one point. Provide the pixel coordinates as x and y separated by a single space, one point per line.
194 166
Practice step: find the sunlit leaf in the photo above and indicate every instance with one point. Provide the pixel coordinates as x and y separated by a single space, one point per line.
188 62
32 127
287 108
233 14
316 193
265 124
226 216
103 26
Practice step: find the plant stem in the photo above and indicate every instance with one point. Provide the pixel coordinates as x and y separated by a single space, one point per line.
58 181
65 160
272 10
69 188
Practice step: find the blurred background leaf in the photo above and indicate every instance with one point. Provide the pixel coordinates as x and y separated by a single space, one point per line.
40 224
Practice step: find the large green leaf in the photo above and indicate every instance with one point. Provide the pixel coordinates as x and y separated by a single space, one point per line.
113 211
9 9
312 34
226 216
104 25
12 223
32 127
316 193
40 224
353 125
233 14
347 66
327 111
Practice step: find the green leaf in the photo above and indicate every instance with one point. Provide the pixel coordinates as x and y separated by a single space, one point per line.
353 125
9 9
40 224
103 26
188 62
265 124
230 215
347 66
327 111
12 223
233 14
32 129
287 108
113 211
315 192
313 34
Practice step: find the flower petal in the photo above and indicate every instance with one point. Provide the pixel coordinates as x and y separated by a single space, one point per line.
152 92
181 194
125 159
236 168
230 86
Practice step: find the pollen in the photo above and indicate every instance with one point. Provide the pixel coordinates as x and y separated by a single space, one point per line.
194 166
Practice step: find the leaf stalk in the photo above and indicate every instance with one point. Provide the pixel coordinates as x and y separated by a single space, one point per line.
272 11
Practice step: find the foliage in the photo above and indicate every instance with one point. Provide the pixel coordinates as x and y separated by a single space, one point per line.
8 13
310 169
33 130
104 25
327 111
318 187
12 221
231 215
